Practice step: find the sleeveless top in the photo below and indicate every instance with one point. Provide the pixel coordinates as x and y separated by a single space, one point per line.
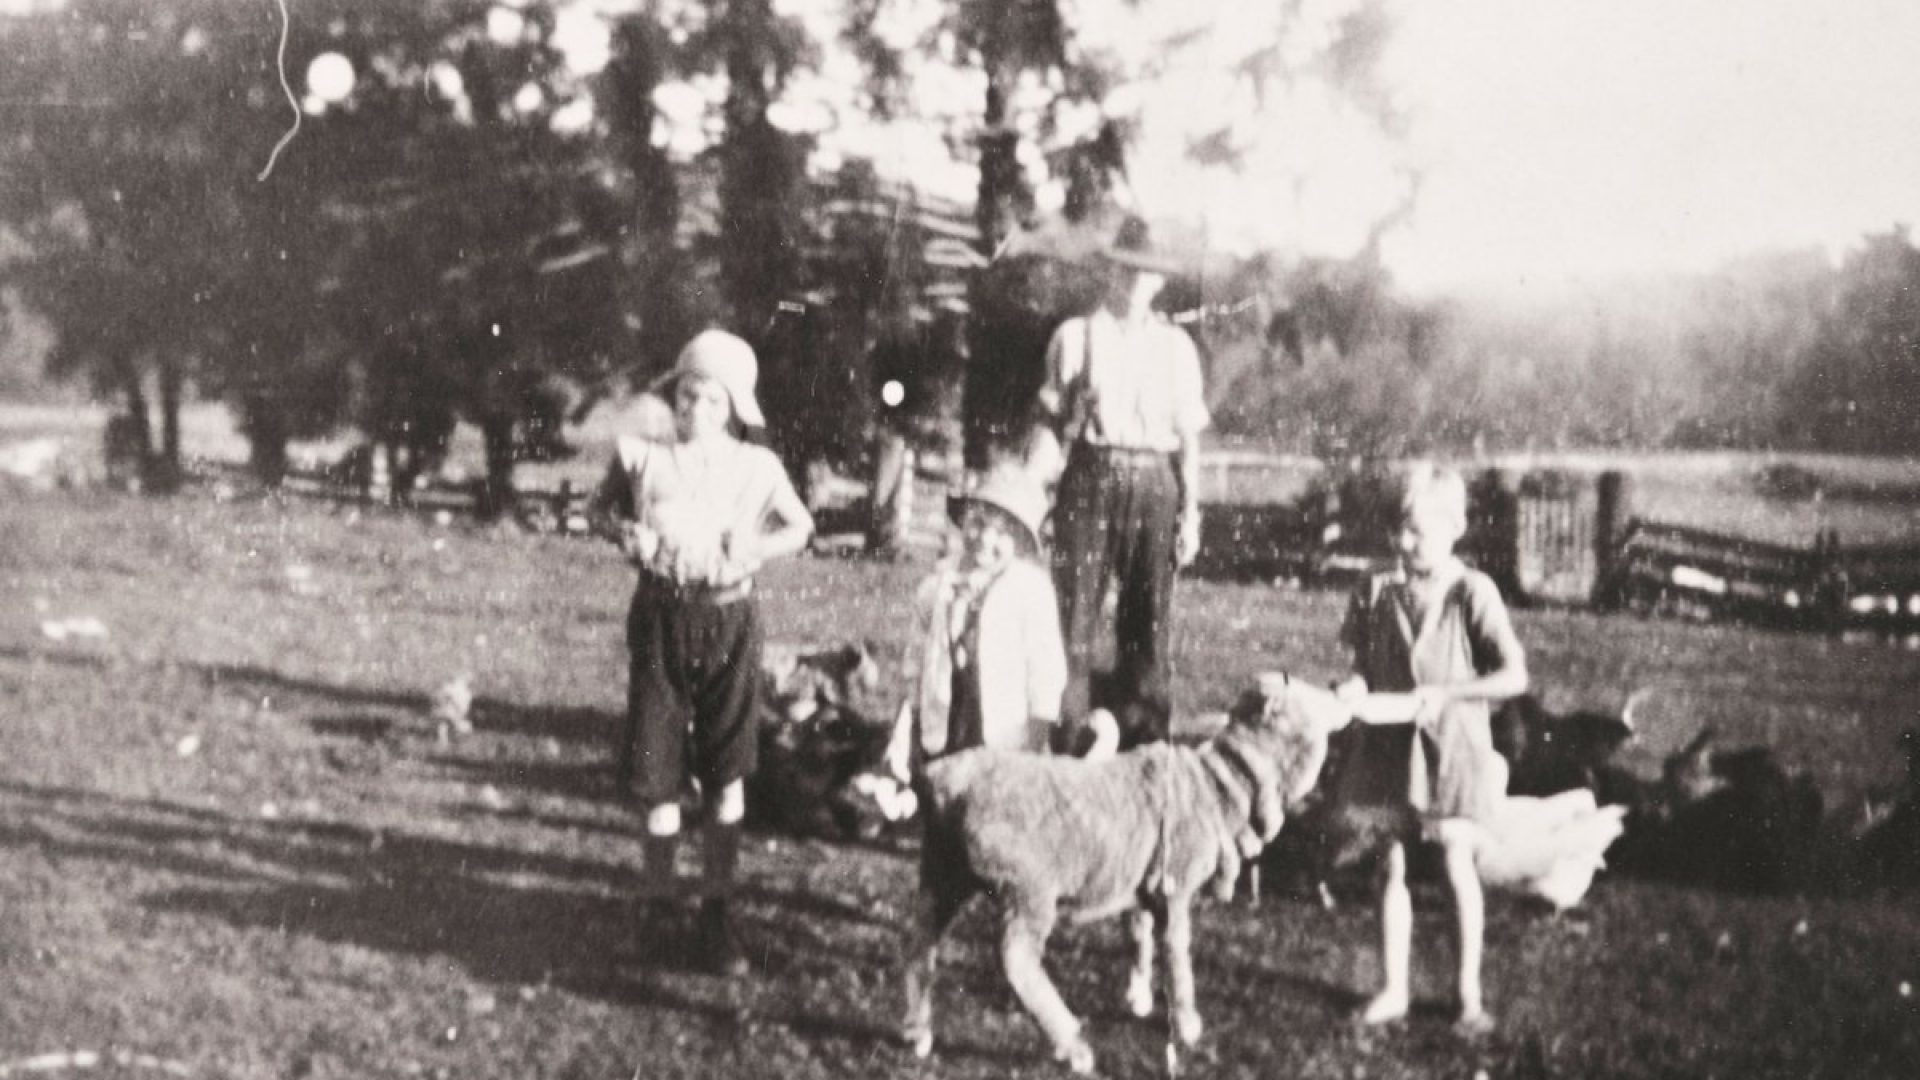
1451 771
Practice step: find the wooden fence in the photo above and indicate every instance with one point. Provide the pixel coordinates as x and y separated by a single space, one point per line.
1549 538
1571 539
1827 586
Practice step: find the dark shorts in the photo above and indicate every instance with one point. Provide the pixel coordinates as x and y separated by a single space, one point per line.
693 692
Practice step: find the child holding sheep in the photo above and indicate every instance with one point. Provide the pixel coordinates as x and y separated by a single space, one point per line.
1438 631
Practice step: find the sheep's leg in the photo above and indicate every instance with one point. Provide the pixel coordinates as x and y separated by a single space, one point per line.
934 912
1023 942
1140 979
1177 938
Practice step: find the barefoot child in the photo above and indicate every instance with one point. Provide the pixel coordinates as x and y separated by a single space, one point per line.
1437 630
698 516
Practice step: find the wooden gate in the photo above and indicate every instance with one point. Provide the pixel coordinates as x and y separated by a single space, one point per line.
1554 556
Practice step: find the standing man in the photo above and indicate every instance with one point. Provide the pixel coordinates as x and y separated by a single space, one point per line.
1124 387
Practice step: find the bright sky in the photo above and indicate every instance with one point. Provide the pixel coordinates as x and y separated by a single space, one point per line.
1557 139
1580 137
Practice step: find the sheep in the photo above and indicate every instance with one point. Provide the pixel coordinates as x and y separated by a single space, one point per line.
1141 831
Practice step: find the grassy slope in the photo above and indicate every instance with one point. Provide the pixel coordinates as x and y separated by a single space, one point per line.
320 890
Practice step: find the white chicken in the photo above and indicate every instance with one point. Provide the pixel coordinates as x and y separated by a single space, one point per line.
452 707
1549 847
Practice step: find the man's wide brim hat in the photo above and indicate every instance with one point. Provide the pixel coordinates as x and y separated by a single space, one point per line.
1133 247
727 360
1017 496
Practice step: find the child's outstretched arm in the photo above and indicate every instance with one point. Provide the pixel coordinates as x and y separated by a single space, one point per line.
1498 654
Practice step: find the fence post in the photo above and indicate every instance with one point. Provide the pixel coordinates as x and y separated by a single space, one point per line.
1494 513
379 489
1832 590
1613 510
890 496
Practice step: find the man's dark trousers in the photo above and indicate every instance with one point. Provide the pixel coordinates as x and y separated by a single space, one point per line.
1116 519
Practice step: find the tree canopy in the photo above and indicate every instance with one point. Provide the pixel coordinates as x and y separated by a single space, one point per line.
469 223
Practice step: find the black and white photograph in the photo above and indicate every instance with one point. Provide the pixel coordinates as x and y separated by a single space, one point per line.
801 539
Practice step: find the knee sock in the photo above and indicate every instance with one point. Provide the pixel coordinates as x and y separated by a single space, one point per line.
659 853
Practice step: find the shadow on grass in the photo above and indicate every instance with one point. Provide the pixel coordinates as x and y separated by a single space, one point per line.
490 715
503 914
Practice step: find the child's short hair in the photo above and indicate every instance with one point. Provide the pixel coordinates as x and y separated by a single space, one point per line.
1429 488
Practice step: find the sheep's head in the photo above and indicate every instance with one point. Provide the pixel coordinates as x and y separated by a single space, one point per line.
1289 721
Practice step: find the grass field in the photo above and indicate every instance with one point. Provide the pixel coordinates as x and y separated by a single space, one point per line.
232 843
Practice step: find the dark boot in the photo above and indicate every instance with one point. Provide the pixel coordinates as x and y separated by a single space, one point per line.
719 947
719 857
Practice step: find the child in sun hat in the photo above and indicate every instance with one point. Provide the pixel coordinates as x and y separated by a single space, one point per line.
698 516
1437 630
991 662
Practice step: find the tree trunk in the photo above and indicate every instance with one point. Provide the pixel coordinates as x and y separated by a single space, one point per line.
1004 200
129 436
1003 195
137 411
496 492
167 471
265 427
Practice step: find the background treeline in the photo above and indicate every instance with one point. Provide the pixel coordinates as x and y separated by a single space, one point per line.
478 231
1784 351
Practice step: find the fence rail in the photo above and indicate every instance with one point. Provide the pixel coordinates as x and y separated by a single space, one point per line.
1667 568
1547 540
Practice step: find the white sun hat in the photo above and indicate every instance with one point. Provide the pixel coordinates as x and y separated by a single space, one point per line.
727 360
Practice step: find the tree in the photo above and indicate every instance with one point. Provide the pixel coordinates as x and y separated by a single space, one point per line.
1003 39
660 293
1854 387
143 126
409 256
479 276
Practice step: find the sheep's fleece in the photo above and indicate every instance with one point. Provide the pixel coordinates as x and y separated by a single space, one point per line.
1140 831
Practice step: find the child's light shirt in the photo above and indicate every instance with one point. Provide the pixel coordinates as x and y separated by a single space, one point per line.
1007 626
696 501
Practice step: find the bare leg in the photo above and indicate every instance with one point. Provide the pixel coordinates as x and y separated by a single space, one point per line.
1022 944
731 805
1396 941
1140 979
1470 913
1177 931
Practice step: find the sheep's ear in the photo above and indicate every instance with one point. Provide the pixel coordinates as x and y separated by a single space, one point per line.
1324 712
